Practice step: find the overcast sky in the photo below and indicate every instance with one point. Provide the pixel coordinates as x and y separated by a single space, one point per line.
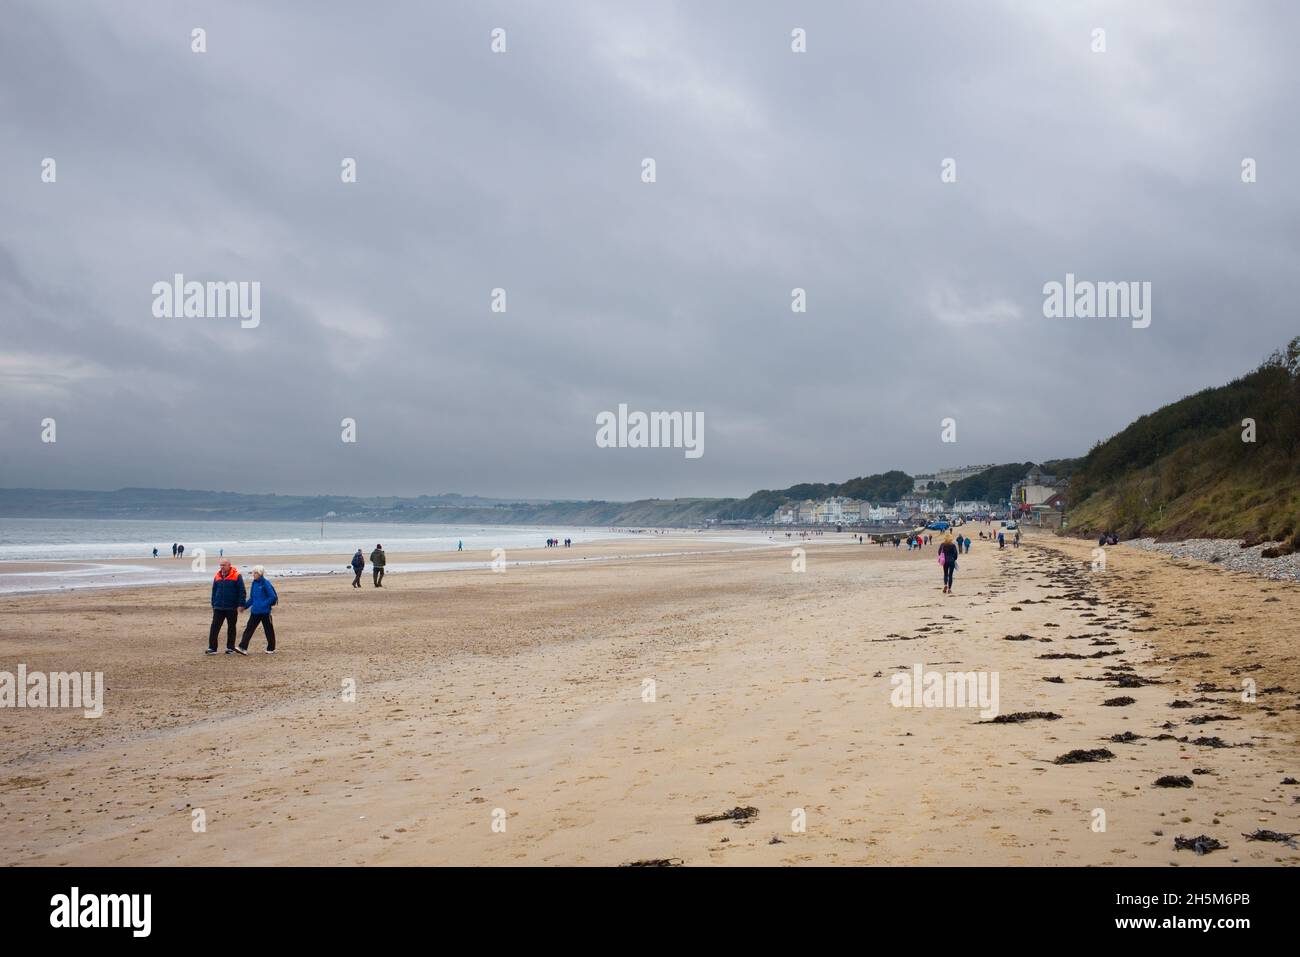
523 170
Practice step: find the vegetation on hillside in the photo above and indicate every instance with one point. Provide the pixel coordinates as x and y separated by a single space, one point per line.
992 485
1191 469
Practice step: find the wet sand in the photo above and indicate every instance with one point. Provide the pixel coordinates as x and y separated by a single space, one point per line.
56 577
520 696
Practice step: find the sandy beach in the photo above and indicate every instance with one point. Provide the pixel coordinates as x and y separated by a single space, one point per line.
522 700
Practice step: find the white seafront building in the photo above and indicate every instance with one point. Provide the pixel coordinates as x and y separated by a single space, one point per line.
836 510
839 510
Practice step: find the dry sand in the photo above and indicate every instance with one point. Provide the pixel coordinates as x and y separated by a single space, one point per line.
522 693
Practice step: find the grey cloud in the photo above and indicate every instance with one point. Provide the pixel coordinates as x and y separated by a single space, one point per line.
521 171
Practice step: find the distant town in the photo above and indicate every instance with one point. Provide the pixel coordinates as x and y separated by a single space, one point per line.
1039 498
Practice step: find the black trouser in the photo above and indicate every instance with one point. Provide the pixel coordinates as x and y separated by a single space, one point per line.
356 582
948 569
253 621
379 574
231 618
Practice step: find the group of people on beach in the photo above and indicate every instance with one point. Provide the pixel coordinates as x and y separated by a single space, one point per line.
1001 538
230 596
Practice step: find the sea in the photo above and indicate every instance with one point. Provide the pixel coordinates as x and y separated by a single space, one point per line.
83 548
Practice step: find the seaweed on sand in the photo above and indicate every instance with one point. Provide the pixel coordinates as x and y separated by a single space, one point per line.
1201 844
1073 657
655 862
1080 756
1018 716
739 814
1130 681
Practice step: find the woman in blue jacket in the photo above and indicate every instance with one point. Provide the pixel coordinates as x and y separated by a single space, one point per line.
261 596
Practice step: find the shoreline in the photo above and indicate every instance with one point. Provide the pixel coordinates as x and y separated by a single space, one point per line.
166 572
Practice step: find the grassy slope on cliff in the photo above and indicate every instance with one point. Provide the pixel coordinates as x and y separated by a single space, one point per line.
1184 471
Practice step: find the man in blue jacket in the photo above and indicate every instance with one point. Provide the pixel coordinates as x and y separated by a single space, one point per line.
228 595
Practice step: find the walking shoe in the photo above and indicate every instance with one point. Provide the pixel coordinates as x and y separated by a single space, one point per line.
270 651
241 651
210 651
230 651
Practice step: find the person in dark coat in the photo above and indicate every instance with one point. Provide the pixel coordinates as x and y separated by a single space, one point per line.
358 566
228 594
377 562
948 558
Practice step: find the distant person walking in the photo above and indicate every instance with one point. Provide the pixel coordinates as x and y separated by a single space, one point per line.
948 559
155 553
228 595
1002 539
358 566
377 562
180 551
261 599
174 547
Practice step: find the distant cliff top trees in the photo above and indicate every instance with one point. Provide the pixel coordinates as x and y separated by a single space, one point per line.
1223 462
